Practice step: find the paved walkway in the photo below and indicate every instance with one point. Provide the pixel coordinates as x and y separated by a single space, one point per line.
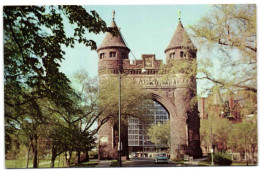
195 162
104 163
148 163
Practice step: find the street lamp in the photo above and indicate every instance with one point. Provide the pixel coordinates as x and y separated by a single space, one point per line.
143 138
119 117
119 121
211 150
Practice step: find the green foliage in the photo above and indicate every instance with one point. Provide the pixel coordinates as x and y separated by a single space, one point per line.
93 154
38 97
243 135
221 159
230 25
187 67
134 101
215 129
226 37
14 148
160 134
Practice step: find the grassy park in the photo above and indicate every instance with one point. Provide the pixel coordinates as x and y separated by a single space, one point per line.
21 163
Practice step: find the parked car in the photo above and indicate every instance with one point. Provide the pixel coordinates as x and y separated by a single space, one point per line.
133 155
161 158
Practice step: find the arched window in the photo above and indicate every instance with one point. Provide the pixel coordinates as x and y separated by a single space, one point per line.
102 56
172 55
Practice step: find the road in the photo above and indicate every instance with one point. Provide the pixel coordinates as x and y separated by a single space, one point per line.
145 162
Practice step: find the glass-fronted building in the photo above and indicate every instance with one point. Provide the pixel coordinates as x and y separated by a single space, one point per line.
138 140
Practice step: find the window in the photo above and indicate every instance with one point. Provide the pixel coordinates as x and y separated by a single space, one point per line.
181 54
131 142
102 56
172 55
124 55
112 54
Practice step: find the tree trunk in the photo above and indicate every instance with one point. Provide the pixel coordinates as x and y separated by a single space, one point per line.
246 157
35 152
252 153
78 154
68 158
53 157
28 157
86 156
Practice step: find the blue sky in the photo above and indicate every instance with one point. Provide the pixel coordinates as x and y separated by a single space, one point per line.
147 29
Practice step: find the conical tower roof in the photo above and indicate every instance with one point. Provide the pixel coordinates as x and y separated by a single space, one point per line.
180 39
111 40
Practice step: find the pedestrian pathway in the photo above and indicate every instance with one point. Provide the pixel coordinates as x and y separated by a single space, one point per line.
195 162
104 163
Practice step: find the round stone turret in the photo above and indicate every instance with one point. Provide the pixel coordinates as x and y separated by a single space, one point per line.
180 46
112 51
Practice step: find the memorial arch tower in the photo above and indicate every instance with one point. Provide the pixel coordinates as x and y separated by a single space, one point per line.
175 93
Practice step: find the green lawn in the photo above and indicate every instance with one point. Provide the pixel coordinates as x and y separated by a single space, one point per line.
204 163
178 161
234 163
45 163
20 163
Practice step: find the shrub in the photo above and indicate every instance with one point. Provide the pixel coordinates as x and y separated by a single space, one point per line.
93 154
221 159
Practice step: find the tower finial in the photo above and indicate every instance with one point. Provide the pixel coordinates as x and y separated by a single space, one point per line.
113 15
179 15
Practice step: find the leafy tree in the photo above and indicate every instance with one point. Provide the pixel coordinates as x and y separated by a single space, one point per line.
33 40
88 90
65 131
215 129
229 30
243 138
160 134
100 102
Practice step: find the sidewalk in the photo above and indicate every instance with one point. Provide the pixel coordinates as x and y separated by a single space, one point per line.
104 163
195 162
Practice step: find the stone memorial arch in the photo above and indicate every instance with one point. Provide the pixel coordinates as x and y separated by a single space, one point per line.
174 93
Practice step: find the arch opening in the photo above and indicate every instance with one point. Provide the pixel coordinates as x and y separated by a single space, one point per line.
139 143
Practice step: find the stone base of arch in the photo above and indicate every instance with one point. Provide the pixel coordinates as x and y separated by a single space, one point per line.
185 121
